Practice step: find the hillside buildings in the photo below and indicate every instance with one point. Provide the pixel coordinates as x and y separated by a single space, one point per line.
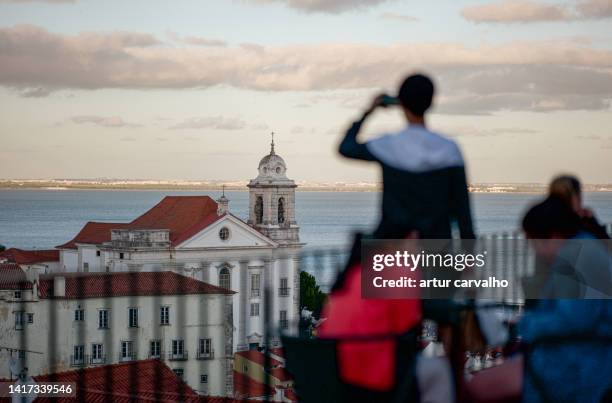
187 282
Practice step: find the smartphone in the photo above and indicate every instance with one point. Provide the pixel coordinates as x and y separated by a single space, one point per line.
388 100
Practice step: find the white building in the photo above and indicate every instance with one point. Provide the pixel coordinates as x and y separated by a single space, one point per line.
66 321
200 238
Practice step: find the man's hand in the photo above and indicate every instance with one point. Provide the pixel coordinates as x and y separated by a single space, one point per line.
377 102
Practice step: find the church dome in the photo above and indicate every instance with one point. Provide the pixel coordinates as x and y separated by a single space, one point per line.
272 165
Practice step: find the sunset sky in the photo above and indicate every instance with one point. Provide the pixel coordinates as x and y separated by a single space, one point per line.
191 89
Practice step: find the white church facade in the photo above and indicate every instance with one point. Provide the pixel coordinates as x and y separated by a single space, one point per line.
199 237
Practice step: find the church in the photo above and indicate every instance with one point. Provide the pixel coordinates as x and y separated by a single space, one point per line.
199 237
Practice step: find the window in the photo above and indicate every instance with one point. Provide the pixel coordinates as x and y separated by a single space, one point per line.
255 309
155 349
178 372
164 315
85 267
98 253
258 210
283 291
225 278
97 353
133 317
78 356
127 351
281 210
79 315
204 378
30 317
255 284
103 315
205 348
178 350
121 255
284 323
17 295
19 317
224 233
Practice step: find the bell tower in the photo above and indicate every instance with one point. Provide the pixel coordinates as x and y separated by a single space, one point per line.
272 200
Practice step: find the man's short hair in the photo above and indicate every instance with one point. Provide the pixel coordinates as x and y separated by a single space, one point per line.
416 94
551 217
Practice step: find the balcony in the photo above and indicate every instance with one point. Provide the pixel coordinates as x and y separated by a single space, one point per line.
205 355
283 292
127 357
78 361
181 356
141 238
156 355
97 360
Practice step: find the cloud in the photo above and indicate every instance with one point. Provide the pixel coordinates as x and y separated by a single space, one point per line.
399 17
196 40
102 121
542 76
324 6
526 11
210 122
590 137
260 126
515 11
595 9
37 92
474 131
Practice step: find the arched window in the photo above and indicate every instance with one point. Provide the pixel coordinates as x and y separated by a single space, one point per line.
259 210
281 210
225 278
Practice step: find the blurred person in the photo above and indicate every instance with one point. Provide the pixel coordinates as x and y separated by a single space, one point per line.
370 367
424 181
567 341
568 189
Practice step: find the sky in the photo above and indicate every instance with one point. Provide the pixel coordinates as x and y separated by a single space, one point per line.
192 89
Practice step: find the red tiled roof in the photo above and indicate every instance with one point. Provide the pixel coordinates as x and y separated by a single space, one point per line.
281 374
21 256
94 233
148 380
258 357
290 394
278 351
183 216
104 285
152 381
245 387
12 277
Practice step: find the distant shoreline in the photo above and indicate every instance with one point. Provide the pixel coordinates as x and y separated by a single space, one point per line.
60 185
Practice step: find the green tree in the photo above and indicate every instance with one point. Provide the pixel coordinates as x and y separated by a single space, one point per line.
311 296
2 248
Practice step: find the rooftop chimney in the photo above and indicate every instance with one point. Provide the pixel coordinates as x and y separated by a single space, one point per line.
59 286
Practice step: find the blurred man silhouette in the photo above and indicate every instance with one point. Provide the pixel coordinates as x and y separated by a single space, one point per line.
424 181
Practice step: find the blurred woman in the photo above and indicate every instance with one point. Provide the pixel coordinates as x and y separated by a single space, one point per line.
568 189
